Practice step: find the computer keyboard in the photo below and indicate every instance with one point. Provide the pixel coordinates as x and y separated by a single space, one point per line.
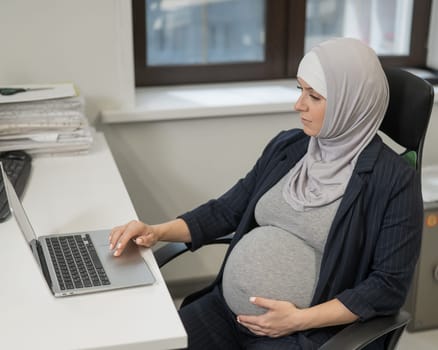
17 165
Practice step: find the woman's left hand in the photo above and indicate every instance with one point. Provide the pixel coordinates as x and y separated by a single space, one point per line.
281 318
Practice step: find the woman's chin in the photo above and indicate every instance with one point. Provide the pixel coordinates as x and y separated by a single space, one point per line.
309 132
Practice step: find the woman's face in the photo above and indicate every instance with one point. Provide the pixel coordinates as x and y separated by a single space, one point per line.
311 106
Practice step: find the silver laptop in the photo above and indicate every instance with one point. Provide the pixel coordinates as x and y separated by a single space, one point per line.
79 263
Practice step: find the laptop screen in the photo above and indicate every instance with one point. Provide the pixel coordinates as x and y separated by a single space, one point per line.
17 209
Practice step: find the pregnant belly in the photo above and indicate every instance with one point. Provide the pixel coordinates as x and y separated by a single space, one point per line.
271 263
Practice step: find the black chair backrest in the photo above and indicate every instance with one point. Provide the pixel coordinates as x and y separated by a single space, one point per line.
409 110
405 122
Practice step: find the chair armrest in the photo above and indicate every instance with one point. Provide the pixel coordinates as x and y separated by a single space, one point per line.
359 334
171 250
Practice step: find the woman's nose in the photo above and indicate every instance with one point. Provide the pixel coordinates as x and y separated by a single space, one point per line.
299 105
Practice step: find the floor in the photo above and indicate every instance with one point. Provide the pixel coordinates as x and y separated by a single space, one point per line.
425 340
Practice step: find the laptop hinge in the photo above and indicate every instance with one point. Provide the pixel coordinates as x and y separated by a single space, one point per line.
37 251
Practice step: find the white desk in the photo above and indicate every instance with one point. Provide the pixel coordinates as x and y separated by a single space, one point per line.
70 194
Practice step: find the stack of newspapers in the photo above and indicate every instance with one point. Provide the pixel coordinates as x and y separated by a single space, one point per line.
44 120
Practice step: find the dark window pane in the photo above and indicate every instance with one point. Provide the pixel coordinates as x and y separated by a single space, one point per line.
184 32
383 25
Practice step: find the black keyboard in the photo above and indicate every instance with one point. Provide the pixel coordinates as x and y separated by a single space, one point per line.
17 165
76 262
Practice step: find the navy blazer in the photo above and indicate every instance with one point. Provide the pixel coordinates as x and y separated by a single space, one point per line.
374 240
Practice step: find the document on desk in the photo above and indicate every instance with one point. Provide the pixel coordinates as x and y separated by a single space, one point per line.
44 119
38 92
48 142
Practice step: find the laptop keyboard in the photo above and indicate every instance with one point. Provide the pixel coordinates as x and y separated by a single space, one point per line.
76 262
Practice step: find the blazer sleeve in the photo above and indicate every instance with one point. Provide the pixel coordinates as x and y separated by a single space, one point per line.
396 252
221 216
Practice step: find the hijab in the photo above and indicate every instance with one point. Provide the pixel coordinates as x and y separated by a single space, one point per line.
349 75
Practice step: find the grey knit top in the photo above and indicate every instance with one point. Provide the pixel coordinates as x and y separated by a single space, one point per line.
281 258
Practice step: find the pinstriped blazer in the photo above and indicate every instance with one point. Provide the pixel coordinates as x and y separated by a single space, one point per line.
374 240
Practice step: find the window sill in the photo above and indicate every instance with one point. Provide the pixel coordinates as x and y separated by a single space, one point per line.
209 101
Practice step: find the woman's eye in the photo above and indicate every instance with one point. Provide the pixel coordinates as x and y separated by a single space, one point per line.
316 98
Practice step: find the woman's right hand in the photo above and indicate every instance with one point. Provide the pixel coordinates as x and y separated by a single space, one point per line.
136 231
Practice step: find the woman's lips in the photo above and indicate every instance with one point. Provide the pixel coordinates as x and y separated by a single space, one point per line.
305 121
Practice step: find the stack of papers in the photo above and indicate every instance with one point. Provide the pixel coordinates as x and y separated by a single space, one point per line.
47 119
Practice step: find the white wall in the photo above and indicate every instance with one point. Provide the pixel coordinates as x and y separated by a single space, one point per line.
85 42
432 56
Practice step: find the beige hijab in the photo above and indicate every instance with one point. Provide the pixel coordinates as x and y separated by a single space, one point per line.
357 98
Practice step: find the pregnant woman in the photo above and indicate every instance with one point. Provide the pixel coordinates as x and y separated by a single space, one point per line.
327 223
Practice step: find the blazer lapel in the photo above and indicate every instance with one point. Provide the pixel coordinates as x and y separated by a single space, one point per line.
338 231
285 161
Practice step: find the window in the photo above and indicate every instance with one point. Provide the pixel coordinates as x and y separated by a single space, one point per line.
195 32
395 29
199 41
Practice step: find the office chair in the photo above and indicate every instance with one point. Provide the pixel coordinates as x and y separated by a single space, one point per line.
405 122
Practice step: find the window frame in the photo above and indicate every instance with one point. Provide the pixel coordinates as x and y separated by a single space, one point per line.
419 36
285 35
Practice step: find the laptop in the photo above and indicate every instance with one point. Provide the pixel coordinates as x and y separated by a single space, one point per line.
79 263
